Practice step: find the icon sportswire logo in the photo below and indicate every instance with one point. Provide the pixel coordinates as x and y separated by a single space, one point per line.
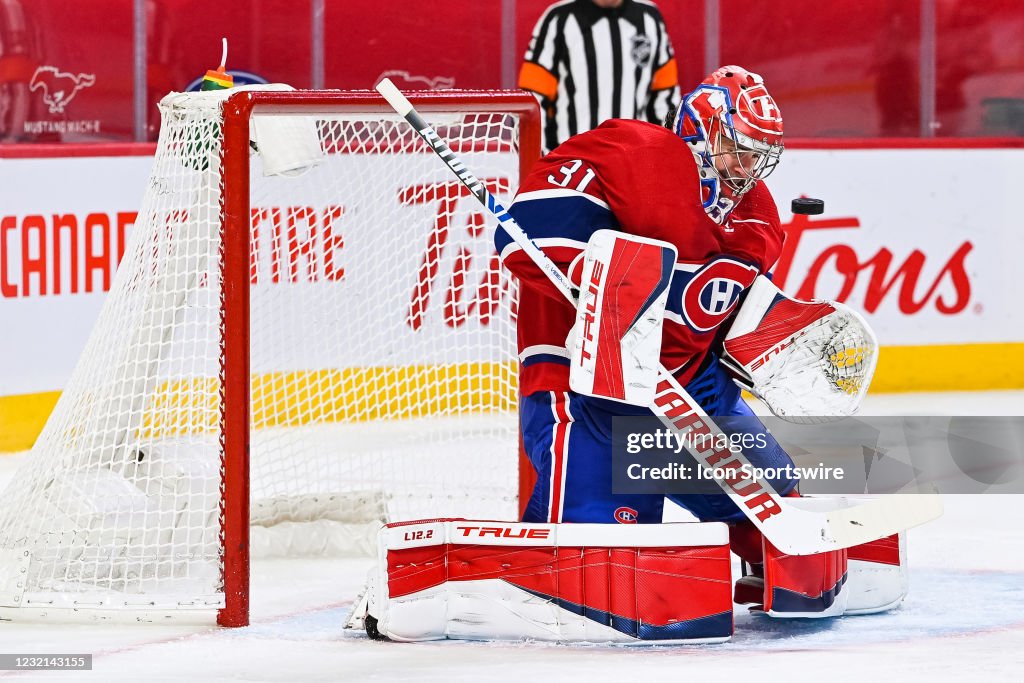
59 87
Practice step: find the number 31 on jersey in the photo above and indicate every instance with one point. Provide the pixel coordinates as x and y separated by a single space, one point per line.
571 174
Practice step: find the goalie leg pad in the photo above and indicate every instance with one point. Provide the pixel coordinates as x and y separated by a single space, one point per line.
878 578
865 579
593 583
804 585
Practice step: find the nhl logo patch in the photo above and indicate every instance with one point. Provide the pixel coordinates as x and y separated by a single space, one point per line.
641 50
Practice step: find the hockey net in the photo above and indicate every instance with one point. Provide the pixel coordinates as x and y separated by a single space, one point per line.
346 325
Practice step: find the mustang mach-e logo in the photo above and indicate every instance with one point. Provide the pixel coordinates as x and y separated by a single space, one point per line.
59 87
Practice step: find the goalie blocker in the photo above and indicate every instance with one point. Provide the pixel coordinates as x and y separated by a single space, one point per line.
600 583
615 343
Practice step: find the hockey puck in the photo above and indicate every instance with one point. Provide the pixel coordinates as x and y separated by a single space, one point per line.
808 206
370 624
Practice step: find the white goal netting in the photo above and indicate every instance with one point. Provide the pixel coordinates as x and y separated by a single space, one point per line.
382 364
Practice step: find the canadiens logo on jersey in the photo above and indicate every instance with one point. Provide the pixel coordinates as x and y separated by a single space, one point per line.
703 298
626 515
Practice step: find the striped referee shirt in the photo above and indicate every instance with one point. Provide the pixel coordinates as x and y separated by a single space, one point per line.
587 64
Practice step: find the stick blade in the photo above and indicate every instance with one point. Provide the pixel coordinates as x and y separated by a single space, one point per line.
885 516
859 523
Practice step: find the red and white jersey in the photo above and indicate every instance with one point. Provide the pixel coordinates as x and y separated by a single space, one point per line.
642 179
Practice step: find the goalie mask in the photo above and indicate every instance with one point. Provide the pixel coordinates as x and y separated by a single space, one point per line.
734 129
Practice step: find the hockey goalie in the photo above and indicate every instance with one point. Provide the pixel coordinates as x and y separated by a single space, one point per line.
668 235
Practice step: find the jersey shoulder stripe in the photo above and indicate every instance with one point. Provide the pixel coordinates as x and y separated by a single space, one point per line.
557 214
557 249
544 353
558 193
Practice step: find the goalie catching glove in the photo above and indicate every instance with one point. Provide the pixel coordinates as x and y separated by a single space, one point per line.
801 358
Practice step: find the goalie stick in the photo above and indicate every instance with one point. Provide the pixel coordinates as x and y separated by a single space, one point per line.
793 525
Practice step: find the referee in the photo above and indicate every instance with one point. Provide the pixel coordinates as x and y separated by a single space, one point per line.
592 60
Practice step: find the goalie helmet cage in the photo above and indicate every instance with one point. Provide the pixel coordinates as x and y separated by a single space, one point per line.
330 346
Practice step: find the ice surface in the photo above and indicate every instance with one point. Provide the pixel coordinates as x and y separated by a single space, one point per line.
963 619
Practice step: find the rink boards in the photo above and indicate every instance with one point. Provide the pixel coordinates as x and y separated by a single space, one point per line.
916 237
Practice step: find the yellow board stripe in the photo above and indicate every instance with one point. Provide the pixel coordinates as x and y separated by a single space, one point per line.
349 394
419 391
345 395
22 418
953 367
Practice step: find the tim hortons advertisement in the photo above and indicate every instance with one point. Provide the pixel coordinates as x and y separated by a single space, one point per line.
914 239
396 273
907 237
